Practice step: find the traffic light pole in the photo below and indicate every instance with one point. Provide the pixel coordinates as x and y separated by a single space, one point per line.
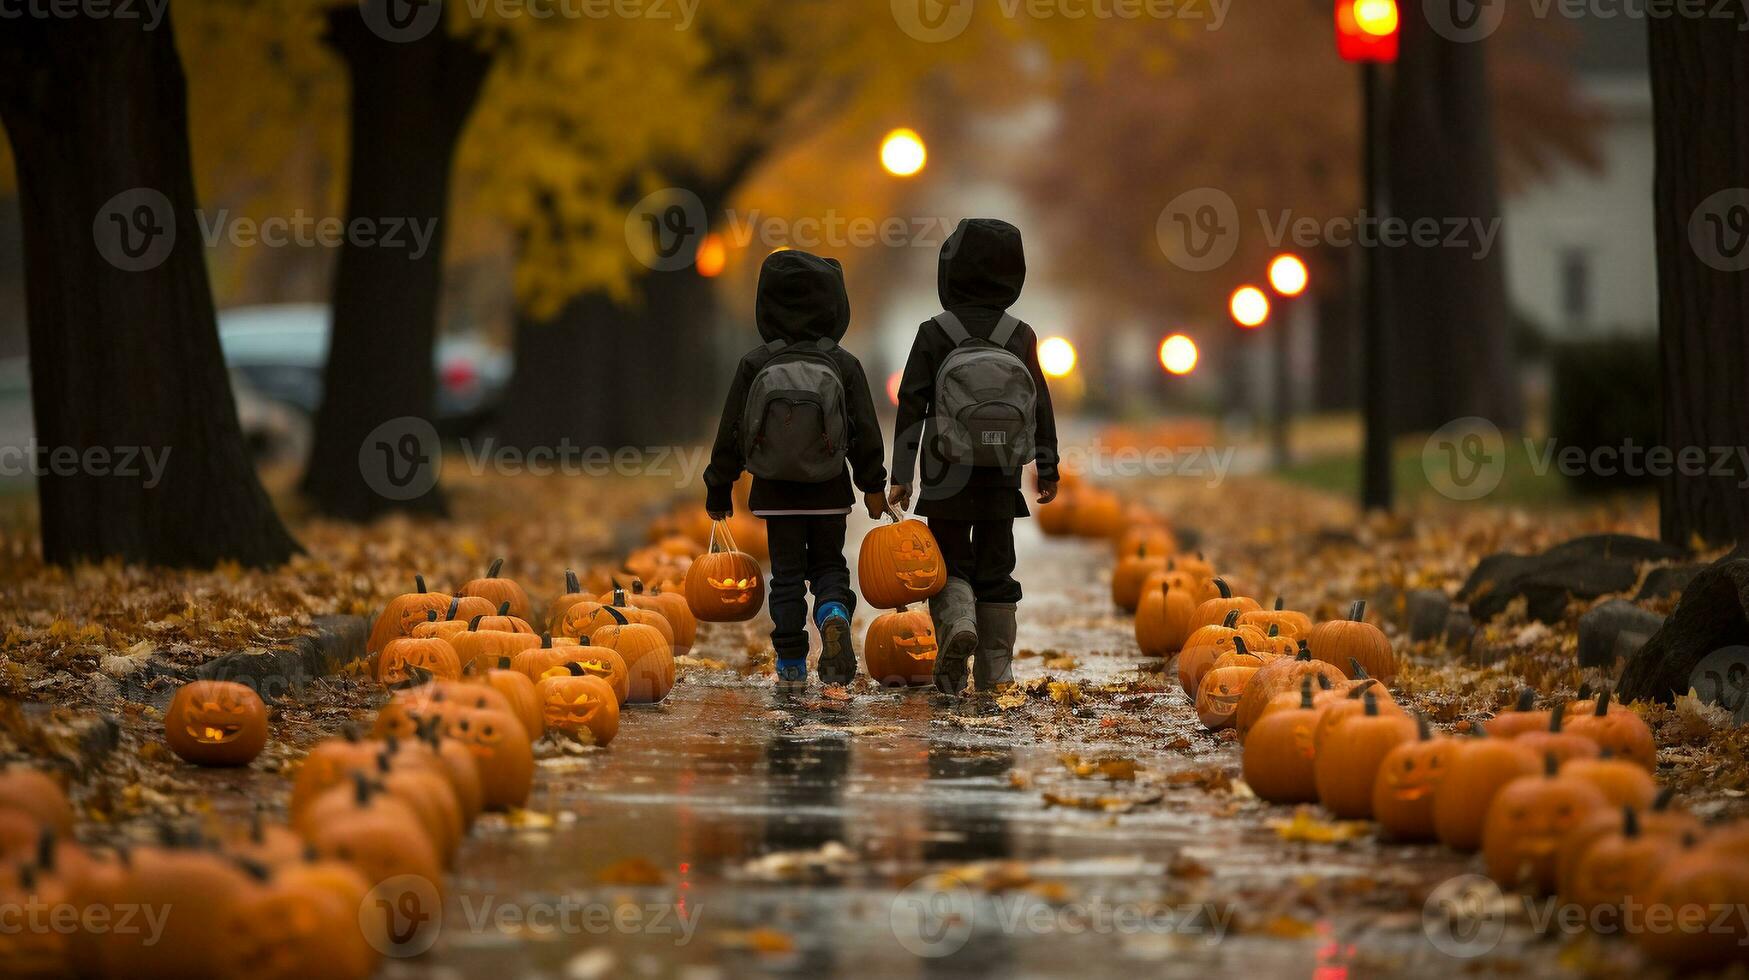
1376 491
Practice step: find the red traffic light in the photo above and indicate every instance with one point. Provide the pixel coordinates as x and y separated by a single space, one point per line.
1366 30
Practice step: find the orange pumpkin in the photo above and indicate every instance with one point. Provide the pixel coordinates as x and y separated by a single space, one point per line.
1132 571
672 606
480 647
216 723
1621 782
1217 696
404 612
639 609
1694 885
558 607
501 746
502 592
577 702
36 795
1350 755
430 654
1408 779
1342 641
1204 645
899 564
1522 718
1619 866
1620 730
1212 611
1658 818
724 585
518 692
899 649
1146 539
1480 767
1556 742
461 611
1277 762
1289 622
1097 514
1526 821
1163 620
649 660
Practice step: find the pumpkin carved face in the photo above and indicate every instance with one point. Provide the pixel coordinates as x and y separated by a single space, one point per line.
724 585
1693 886
501 747
1217 698
216 723
1277 763
900 563
900 648
576 702
1350 755
430 654
1527 821
1409 776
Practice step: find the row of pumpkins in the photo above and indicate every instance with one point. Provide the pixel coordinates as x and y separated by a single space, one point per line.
473 683
1560 801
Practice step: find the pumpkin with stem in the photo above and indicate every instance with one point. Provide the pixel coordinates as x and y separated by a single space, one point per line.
502 621
1291 623
1212 611
672 606
501 746
1694 885
1622 783
427 653
1342 641
216 723
596 662
637 611
1219 691
1409 776
899 649
1204 645
1163 620
404 612
500 591
1349 757
1522 718
724 585
1558 742
1351 704
577 701
480 647
1097 514
557 608
649 660
1619 730
534 662
900 563
1619 866
186 886
461 611
1526 821
1152 538
1131 573
1480 768
1660 817
518 692
1277 762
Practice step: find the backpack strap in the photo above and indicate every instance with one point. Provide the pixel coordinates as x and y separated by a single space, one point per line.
1004 330
951 325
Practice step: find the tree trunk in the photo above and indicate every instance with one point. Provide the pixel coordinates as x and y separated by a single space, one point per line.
1451 354
124 350
410 100
1700 71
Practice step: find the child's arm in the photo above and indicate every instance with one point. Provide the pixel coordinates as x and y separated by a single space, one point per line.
1045 424
916 390
866 452
726 462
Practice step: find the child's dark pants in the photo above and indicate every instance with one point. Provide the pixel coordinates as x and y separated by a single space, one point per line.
982 553
807 554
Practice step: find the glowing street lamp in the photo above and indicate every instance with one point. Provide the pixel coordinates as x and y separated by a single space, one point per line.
1056 357
1178 354
1287 275
903 153
1249 307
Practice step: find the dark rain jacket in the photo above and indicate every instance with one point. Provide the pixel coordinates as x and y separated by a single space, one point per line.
979 276
801 299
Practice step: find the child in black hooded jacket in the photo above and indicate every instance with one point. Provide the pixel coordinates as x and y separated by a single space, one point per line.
971 509
801 302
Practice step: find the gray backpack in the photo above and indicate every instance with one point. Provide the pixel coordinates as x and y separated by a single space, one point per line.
794 426
985 401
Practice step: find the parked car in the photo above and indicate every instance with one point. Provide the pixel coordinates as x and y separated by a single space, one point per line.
281 349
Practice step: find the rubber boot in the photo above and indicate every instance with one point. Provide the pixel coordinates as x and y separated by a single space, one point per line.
956 629
994 667
837 650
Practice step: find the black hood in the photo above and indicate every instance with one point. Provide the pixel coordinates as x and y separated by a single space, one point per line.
982 265
801 298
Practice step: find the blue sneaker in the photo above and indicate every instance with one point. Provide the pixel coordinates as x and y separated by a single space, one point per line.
837 654
792 676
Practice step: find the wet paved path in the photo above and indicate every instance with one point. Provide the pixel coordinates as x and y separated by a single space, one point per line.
785 839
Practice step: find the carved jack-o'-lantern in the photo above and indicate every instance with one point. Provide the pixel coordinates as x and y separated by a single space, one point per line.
216 723
596 662
1527 820
429 654
900 563
724 585
501 747
649 660
405 612
900 648
1402 795
576 702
